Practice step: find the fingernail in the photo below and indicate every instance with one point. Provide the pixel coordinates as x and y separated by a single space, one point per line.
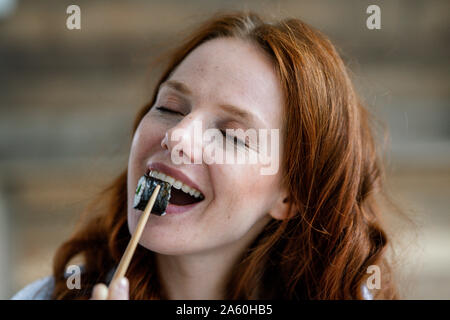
123 284
100 292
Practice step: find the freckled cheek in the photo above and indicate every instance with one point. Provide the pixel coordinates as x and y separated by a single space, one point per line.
147 139
241 187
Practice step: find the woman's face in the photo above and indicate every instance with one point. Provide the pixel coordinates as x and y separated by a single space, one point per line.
237 199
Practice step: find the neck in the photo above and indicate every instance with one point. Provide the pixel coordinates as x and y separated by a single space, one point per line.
202 275
195 276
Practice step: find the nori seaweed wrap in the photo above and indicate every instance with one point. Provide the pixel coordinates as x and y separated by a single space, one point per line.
144 190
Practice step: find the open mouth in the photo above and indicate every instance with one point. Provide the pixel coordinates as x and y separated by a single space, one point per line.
181 193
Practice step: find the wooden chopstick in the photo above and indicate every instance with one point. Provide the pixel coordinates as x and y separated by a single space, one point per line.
126 258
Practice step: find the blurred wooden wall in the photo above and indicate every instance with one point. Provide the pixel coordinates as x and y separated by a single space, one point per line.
68 100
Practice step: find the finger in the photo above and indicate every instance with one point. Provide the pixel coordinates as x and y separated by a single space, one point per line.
100 292
119 290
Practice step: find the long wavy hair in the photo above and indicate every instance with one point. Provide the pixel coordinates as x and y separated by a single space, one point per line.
330 166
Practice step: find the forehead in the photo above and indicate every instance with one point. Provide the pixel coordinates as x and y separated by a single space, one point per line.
229 71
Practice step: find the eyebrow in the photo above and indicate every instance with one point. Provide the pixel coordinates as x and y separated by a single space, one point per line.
184 89
237 112
178 86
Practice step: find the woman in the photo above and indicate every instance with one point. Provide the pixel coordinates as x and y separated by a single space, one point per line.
308 231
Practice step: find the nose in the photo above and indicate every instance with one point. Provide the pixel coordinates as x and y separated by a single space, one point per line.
184 141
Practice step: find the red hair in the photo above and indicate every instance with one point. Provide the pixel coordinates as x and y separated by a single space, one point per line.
329 165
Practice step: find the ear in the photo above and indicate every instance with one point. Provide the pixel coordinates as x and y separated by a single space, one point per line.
281 207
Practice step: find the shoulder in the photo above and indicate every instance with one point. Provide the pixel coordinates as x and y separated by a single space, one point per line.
366 293
41 289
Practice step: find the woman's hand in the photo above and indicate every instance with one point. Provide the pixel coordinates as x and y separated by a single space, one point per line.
118 290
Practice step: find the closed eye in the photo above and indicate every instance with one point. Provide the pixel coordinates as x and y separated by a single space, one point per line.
234 139
167 110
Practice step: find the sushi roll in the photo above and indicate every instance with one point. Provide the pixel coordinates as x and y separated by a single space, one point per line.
145 187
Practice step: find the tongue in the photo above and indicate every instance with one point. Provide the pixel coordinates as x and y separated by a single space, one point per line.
180 198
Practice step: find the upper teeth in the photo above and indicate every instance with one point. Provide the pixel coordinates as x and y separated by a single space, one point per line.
177 184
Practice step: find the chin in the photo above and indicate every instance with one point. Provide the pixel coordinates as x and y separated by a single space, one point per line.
165 248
